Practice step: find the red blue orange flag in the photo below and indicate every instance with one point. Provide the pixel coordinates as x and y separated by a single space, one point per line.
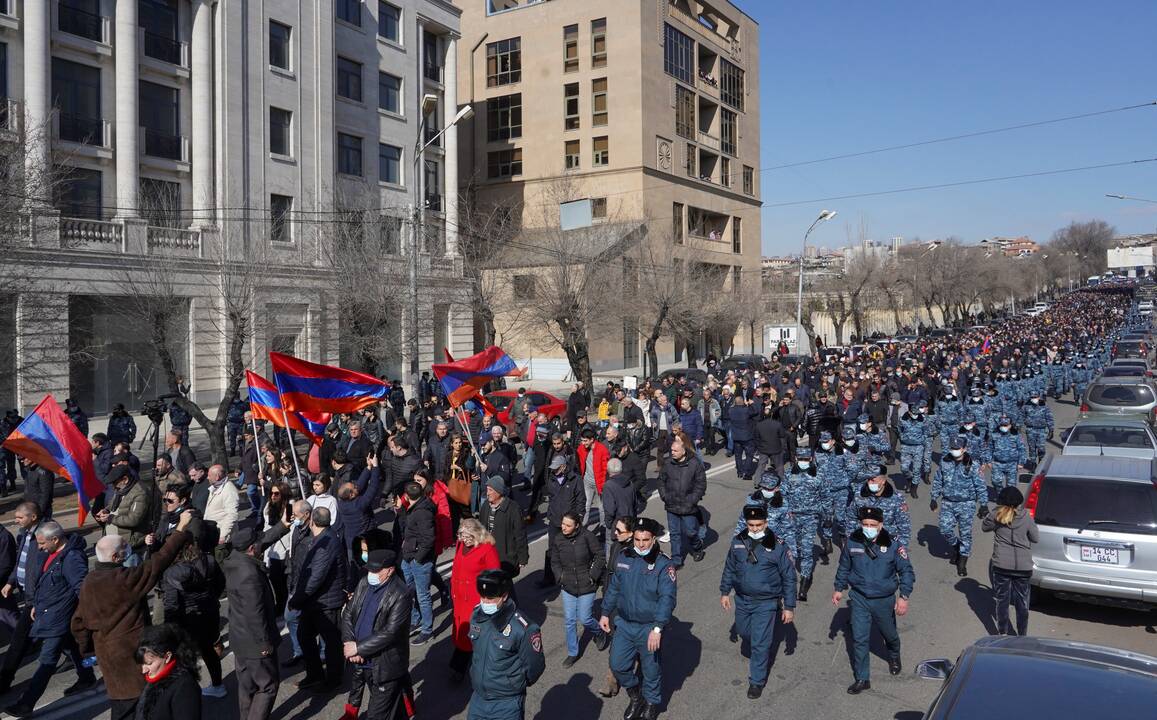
311 388
48 438
987 345
464 379
265 404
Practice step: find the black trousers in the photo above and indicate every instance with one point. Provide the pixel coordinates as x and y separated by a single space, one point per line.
1012 589
18 646
122 709
635 468
257 682
392 700
205 632
317 621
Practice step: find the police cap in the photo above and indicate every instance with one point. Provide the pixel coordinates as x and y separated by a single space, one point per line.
871 513
649 525
804 452
493 583
849 432
755 512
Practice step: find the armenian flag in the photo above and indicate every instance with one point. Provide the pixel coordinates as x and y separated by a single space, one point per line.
314 389
464 379
265 404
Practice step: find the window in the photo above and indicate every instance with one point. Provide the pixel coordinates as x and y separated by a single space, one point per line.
158 21
570 62
279 47
389 164
504 163
599 208
731 85
280 227
504 117
389 22
159 115
390 93
571 106
390 234
81 18
599 43
504 62
736 240
602 156
349 154
728 131
79 194
76 92
280 131
630 342
689 162
160 202
677 222
433 185
725 172
433 128
684 112
678 55
349 11
599 102
431 57
524 287
571 150
349 79
748 180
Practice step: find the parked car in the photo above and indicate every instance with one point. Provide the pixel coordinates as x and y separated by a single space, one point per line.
743 362
1124 371
1118 437
503 400
1119 396
1098 530
1131 349
1075 680
900 339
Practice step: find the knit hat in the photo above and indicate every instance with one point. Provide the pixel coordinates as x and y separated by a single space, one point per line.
496 483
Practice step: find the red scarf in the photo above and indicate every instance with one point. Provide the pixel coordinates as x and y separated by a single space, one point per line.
162 673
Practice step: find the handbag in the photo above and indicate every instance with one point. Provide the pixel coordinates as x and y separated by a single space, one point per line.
458 489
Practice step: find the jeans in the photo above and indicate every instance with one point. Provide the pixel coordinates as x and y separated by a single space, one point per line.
256 499
576 609
683 528
730 443
292 618
745 463
418 579
528 464
50 650
1014 589
592 494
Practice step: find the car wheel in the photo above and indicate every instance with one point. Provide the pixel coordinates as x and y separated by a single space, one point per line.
1039 597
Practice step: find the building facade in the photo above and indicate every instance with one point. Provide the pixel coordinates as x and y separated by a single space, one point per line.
189 140
647 111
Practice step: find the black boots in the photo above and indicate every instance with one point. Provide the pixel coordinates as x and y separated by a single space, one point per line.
636 706
915 483
805 584
955 555
859 686
962 566
827 549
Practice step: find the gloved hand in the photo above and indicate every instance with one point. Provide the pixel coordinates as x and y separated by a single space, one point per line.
982 512
932 504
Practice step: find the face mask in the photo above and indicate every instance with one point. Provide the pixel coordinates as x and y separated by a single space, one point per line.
864 428
488 608
1036 401
919 413
756 536
769 494
850 443
373 579
640 551
969 426
871 532
874 487
804 464
296 523
829 445
1005 428
956 453
365 557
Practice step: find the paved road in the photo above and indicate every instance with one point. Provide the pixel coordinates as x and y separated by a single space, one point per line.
704 674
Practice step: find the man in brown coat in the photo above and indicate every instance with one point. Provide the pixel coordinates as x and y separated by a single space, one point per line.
110 614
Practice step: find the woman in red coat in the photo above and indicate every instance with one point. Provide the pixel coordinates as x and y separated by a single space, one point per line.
475 553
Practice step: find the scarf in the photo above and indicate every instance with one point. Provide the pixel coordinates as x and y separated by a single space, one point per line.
154 686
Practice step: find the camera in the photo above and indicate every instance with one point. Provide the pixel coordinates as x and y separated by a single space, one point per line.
154 410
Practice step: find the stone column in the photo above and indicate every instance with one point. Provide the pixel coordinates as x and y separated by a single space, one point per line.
127 114
450 79
202 140
37 102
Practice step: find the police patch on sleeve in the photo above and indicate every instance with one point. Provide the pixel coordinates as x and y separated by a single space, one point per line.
902 552
671 572
536 642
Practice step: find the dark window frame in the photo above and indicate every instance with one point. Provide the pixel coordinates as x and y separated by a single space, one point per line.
346 87
678 55
349 148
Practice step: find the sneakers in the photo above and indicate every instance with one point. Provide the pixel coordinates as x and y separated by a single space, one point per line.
698 555
665 537
214 691
421 639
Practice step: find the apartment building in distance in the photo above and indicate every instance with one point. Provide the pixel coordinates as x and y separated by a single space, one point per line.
647 110
198 133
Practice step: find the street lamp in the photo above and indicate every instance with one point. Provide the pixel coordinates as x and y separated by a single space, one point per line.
429 104
824 216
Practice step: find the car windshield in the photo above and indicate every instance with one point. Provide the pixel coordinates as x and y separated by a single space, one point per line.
1109 436
1124 371
501 401
1139 362
1073 502
1121 395
1129 346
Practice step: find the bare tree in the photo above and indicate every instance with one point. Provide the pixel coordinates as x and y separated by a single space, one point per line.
1086 242
485 231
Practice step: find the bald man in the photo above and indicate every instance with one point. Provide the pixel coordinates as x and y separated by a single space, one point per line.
221 508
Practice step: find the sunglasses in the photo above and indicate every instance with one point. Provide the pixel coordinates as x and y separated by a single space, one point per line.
274 493
171 501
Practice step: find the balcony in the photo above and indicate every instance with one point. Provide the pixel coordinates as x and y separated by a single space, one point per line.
82 129
432 71
100 234
167 50
122 237
708 140
163 145
11 112
173 241
82 23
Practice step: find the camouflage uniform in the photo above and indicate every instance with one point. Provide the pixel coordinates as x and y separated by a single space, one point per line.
1038 425
806 496
958 487
1007 451
891 502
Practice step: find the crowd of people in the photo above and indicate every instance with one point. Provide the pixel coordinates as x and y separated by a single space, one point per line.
341 547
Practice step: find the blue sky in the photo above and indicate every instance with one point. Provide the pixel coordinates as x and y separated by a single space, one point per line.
839 76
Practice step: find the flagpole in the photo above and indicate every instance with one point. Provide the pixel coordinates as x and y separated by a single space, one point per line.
260 464
293 452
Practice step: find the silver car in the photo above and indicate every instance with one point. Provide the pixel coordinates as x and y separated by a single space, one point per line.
1117 437
1098 530
1119 396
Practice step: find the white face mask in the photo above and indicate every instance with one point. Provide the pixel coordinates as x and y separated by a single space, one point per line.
874 487
957 453
864 428
829 445
769 494
1005 428
756 535
804 464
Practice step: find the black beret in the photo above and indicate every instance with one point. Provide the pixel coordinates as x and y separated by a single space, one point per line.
1010 496
649 525
116 474
755 512
244 538
492 583
872 513
381 559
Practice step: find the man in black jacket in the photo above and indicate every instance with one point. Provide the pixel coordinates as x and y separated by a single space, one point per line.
638 439
502 518
38 487
319 594
399 462
564 493
770 445
682 484
414 528
19 585
253 633
374 628
437 455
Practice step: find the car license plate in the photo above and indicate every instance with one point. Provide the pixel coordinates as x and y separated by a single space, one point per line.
1100 555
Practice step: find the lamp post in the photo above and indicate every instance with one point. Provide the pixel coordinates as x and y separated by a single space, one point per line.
429 104
824 215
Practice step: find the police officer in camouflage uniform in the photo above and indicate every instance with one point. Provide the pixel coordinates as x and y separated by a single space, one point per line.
877 491
913 429
234 422
1007 451
768 495
874 439
1038 427
507 652
958 489
1082 375
806 495
949 415
760 569
642 592
931 431
976 440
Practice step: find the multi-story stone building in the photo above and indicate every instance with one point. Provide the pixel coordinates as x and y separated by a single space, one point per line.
647 110
199 136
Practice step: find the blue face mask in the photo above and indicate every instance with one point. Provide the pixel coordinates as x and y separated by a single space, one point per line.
296 523
488 608
871 532
804 464
767 493
365 557
640 551
373 579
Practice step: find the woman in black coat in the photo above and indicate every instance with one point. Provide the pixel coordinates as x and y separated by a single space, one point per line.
192 588
579 561
169 664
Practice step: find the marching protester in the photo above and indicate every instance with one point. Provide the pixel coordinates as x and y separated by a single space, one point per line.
576 557
168 662
474 555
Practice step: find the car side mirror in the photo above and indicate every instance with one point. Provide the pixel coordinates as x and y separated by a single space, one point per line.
938 669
